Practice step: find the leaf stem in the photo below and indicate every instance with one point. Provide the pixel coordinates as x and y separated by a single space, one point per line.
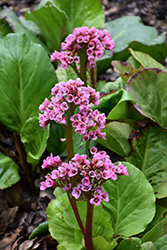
22 158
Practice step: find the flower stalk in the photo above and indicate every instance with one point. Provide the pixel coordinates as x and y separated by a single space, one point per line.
82 176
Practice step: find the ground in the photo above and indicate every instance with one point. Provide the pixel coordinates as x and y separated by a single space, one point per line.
23 208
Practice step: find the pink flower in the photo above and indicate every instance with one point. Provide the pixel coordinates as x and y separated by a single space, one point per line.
82 176
95 201
92 40
76 192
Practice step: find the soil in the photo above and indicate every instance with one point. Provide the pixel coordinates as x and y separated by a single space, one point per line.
22 207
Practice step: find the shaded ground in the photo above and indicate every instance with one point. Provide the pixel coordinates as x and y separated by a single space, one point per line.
21 208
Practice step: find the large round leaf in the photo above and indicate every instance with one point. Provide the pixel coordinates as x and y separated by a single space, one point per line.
117 134
52 22
146 60
129 32
101 220
132 202
59 230
9 172
148 88
17 25
82 13
34 139
150 156
158 235
26 79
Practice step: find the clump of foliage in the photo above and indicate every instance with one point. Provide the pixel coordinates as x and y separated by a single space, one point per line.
130 115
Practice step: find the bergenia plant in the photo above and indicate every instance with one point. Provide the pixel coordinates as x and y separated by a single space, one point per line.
82 175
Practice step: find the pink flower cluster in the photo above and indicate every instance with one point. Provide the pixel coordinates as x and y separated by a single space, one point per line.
93 41
67 96
82 176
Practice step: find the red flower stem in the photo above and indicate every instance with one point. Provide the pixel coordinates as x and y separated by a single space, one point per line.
75 209
88 229
93 75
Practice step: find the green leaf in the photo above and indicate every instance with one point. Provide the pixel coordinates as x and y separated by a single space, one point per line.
4 27
146 60
109 104
59 230
150 156
158 235
124 69
117 134
148 88
132 202
34 139
100 243
129 32
117 85
17 26
9 172
52 22
27 76
130 244
54 143
121 109
61 247
41 228
159 216
65 74
148 246
82 13
101 220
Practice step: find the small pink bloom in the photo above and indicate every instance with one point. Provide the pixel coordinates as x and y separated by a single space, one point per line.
76 192
96 200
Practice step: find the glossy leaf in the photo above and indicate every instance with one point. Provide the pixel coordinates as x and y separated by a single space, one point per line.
61 247
148 88
117 135
52 22
9 172
116 85
130 244
82 13
41 228
65 74
26 79
110 103
132 202
124 69
59 230
150 156
129 32
148 246
101 220
146 60
159 217
100 243
17 26
4 28
121 109
158 235
34 139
